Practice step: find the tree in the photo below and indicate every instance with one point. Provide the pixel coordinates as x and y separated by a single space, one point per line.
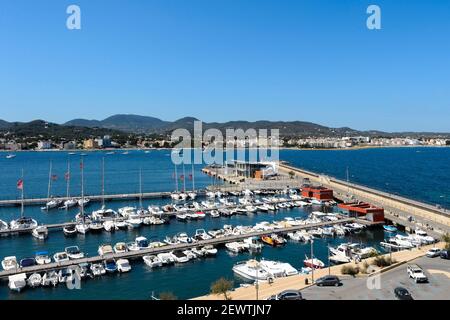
291 174
167 296
222 286
446 239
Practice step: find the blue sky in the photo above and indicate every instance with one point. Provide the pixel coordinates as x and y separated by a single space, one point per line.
218 60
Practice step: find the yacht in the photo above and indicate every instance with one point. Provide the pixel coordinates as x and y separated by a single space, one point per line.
181 217
70 230
109 226
74 252
190 254
70 203
199 252
84 202
82 228
214 214
105 249
251 270
201 234
17 282
192 195
40 232
9 263
23 223
34 280
120 247
60 257
50 278
278 269
152 261
110 265
97 269
138 244
42 257
134 220
123 265
121 225
179 257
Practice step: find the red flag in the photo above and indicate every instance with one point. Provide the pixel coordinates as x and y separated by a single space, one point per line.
20 184
190 177
182 177
67 176
81 165
54 177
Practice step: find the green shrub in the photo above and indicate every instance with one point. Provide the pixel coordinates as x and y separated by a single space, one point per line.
382 261
350 270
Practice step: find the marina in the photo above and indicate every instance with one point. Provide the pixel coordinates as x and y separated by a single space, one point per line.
267 208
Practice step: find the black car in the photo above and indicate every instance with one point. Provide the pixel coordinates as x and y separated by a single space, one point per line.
328 281
402 294
287 295
445 254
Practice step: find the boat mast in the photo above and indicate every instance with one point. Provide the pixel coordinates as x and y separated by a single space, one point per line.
103 181
68 179
49 180
176 179
193 179
82 188
184 179
22 198
140 188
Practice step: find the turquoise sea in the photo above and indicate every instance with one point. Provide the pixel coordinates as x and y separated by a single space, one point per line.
419 173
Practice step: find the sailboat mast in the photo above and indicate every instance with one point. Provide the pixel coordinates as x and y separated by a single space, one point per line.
103 181
49 180
22 198
140 187
68 179
193 178
184 179
82 187
176 179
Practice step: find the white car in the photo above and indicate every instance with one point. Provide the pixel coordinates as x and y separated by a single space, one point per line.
433 252
415 272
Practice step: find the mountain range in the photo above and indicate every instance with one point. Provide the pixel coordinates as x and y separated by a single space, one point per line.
129 123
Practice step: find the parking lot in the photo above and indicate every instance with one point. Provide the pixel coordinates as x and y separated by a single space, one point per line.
438 287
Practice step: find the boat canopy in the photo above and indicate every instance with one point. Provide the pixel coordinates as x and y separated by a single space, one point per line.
42 253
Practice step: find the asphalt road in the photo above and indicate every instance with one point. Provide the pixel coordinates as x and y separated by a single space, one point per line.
438 287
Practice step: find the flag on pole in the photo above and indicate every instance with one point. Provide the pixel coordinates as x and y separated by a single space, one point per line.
67 176
190 177
81 165
182 177
20 184
54 177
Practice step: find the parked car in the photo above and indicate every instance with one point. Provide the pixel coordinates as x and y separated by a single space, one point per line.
433 252
287 295
445 254
415 272
402 294
328 281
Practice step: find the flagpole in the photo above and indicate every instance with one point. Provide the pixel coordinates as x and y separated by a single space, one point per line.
49 180
103 181
22 198
68 180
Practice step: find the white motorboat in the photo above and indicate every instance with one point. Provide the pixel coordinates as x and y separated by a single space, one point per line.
50 278
82 228
34 280
199 252
192 195
179 257
278 269
121 225
70 230
65 276
105 249
175 196
10 156
70 203
138 244
123 265
40 232
109 226
152 261
166 258
183 237
252 244
134 220
97 269
201 234
328 231
234 247
17 282
214 214
60 257
84 202
73 252
190 254
42 258
313 263
9 263
216 233
120 247
251 270
53 203
96 226
127 211
23 223
209 250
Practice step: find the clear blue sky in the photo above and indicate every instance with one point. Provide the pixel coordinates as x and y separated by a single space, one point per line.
219 60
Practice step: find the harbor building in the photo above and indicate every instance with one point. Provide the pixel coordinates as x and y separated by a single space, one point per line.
257 170
359 209
319 193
